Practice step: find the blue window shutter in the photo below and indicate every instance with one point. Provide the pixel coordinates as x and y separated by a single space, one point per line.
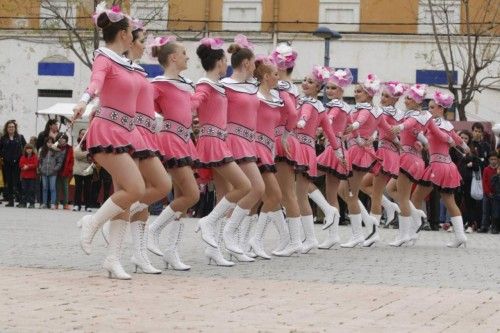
56 69
434 76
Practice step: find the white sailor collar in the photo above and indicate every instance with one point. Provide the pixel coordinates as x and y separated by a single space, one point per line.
216 85
421 116
248 87
289 87
275 101
115 57
313 101
395 113
444 124
337 103
181 83
138 68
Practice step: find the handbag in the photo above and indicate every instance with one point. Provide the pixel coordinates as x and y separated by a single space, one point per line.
476 187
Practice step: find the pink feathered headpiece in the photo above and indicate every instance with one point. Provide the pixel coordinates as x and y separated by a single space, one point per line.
137 24
321 74
160 41
243 42
284 56
266 60
371 84
417 92
213 43
445 100
114 14
395 88
341 78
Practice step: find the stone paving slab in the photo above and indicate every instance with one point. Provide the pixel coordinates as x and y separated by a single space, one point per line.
48 284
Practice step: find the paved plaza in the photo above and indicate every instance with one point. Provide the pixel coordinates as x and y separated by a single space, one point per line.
49 285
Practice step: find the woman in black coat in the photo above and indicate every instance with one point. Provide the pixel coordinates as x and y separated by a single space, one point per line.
11 149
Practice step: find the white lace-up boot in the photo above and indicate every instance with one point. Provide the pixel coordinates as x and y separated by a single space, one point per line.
140 257
458 227
327 209
154 229
257 241
357 232
117 230
208 223
170 255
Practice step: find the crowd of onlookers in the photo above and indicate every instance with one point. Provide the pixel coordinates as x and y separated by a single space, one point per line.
41 171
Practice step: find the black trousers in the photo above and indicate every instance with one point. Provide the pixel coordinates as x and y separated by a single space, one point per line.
82 187
28 186
12 180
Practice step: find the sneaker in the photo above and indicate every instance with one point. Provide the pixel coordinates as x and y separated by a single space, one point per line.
53 207
450 229
87 209
10 204
76 208
66 207
32 205
21 205
483 230
469 230
43 206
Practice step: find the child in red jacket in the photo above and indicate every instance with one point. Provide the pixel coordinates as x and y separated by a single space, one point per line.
66 172
28 165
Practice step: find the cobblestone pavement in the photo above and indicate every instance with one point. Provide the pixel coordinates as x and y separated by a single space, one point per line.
48 284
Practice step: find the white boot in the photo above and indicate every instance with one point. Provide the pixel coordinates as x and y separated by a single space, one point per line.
458 227
215 253
357 231
117 230
373 235
256 242
391 208
170 255
154 229
327 209
140 257
230 233
137 207
105 232
333 237
416 223
244 231
279 222
243 238
295 245
365 216
404 233
311 242
208 223
91 223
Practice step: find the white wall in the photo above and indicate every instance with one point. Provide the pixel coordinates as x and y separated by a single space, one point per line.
390 57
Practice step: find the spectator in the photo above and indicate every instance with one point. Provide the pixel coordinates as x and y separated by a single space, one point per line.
481 147
51 129
82 171
467 165
11 149
32 142
50 162
28 164
100 178
495 188
488 201
66 172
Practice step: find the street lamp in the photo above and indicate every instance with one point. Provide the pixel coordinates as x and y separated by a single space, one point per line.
327 34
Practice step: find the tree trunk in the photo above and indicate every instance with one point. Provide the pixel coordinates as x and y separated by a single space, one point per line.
461 112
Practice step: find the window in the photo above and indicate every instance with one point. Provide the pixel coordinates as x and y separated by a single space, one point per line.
55 93
430 77
241 15
50 9
444 11
346 12
153 13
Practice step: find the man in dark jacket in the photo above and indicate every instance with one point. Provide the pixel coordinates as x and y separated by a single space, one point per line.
11 149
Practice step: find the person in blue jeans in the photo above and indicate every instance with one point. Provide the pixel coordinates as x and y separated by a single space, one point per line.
49 163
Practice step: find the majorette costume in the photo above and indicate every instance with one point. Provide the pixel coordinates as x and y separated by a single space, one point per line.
112 129
241 118
145 118
268 116
173 101
211 101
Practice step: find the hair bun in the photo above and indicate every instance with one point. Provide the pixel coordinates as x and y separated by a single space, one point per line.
103 21
233 48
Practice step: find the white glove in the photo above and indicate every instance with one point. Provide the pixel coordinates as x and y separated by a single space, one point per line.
301 123
355 125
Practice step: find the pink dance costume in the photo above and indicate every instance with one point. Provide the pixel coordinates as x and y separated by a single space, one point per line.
442 173
211 101
145 119
339 115
173 101
361 152
289 94
411 163
241 119
112 129
314 114
388 149
269 115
